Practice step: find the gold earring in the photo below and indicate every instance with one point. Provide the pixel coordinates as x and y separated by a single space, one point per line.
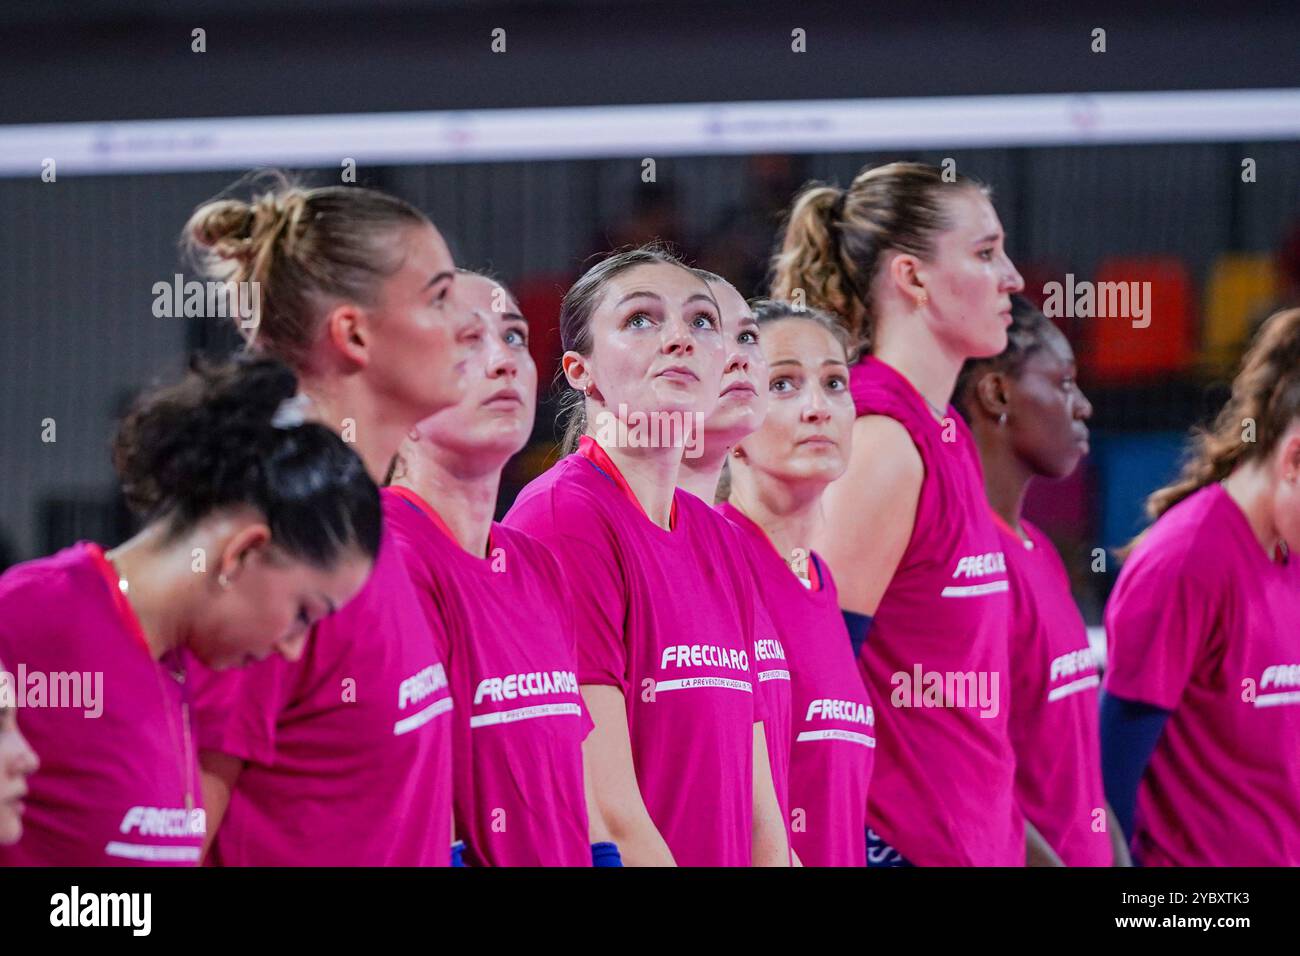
922 301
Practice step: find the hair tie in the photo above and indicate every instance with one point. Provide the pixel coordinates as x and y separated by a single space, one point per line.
837 208
291 412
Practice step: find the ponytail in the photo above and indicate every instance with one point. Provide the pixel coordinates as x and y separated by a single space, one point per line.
835 239
810 269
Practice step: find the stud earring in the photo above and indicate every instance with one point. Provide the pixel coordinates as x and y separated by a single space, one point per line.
223 581
1002 419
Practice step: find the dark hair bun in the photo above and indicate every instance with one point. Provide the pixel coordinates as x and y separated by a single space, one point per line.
213 440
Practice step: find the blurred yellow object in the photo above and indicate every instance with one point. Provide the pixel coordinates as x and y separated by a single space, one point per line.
1239 286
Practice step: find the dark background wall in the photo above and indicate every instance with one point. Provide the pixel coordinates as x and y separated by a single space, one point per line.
131 59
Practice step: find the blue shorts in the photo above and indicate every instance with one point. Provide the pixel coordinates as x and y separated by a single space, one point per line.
880 853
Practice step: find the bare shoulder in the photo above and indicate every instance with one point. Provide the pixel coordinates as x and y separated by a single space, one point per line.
883 453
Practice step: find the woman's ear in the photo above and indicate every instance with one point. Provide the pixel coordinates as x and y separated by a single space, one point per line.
991 395
347 330
905 275
578 373
244 544
1288 456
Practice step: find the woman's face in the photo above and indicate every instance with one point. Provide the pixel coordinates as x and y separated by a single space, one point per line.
17 763
1286 494
1047 413
422 330
657 349
742 401
969 280
806 435
270 602
494 416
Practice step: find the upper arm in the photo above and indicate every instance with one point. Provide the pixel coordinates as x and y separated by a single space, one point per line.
770 846
868 514
607 756
1160 621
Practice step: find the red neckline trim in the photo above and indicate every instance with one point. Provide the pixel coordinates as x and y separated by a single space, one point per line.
431 513
121 605
590 449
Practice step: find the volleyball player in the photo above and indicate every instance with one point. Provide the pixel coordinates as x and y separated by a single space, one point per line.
1029 418
257 527
663 608
914 267
742 403
345 758
1201 706
501 598
778 476
17 762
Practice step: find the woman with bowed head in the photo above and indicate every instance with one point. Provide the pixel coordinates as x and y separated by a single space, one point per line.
913 266
1200 719
663 604
321 762
257 525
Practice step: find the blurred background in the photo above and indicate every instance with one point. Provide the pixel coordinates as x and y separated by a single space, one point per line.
1082 187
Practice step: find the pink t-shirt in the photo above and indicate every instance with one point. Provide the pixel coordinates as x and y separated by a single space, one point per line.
772 673
833 735
118 783
348 750
512 661
667 618
1054 704
1201 623
942 791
